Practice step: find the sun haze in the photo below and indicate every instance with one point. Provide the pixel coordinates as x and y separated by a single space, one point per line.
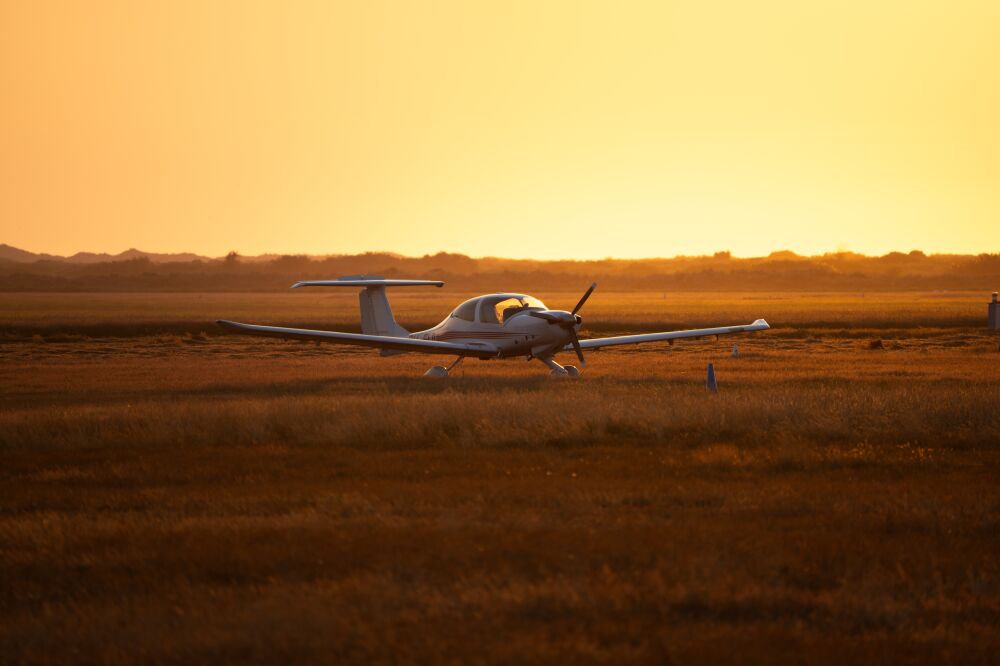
520 129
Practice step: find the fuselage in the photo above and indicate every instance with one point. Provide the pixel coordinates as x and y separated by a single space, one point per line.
504 322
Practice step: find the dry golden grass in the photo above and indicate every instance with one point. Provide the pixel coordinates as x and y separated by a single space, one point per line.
183 499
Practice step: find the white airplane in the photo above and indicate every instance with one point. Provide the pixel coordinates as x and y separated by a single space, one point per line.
494 326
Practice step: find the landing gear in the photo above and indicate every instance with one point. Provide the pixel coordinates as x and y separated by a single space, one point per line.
559 371
439 371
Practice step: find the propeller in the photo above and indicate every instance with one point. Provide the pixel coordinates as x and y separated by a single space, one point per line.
568 321
583 300
577 348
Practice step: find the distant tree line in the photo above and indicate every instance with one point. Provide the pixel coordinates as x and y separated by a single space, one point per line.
780 271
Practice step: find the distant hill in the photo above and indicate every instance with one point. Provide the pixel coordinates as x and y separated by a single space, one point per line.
17 255
134 270
9 253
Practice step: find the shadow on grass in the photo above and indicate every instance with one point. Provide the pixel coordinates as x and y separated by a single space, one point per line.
387 385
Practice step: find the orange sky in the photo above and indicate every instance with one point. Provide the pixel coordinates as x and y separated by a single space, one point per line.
521 129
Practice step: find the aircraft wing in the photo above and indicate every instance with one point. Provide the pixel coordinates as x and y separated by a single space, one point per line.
476 349
594 343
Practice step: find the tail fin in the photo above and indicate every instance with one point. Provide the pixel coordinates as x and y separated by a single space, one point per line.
376 314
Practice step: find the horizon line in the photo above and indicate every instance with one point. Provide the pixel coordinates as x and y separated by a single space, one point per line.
717 253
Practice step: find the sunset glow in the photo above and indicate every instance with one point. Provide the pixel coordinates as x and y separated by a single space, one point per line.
524 129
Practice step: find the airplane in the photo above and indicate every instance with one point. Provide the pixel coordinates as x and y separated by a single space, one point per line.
493 326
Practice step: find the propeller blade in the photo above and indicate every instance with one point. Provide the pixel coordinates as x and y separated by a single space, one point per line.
579 350
584 299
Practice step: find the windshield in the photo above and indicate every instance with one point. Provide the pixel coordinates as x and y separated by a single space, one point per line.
498 309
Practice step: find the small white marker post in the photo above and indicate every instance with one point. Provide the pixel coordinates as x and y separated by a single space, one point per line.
736 351
710 379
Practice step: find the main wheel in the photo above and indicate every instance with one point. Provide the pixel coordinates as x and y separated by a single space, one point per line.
438 371
572 371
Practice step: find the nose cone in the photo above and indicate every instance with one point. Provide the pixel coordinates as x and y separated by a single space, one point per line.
564 319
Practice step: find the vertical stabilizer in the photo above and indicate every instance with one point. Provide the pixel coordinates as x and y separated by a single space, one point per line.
376 315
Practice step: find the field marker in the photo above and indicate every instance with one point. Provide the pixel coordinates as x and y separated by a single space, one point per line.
710 380
736 351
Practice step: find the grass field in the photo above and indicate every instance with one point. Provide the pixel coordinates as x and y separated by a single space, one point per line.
110 314
172 497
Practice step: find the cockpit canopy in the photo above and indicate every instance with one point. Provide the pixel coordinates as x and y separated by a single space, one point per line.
496 308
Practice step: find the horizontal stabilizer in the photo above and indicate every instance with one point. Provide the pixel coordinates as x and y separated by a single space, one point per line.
365 281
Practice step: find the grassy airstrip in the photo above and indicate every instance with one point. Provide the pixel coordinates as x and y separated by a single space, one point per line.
175 496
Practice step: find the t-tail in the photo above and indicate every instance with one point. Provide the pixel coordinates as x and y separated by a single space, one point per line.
376 313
